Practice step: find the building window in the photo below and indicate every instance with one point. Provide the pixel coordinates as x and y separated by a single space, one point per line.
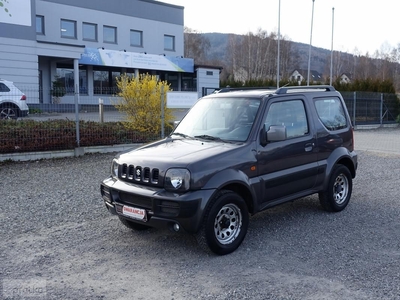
188 82
65 78
109 34
68 29
169 42
40 25
104 82
89 32
136 38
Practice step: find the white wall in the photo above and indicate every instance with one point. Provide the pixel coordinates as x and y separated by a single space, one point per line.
206 80
153 31
19 62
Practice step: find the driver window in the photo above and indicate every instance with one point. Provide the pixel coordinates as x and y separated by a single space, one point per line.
290 114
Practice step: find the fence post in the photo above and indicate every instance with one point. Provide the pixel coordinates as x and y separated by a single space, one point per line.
162 112
78 139
101 110
354 108
381 109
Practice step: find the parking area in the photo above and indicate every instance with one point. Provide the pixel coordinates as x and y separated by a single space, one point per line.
58 237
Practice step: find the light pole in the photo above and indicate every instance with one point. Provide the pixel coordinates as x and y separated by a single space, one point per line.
330 76
309 51
279 50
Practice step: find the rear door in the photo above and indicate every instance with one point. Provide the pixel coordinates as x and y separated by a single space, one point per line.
288 167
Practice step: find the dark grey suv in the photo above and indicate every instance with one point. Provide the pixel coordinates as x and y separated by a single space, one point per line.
234 154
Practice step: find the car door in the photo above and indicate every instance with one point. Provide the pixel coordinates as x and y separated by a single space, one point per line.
287 167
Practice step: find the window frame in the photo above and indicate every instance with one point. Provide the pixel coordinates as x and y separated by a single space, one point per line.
41 18
293 129
340 108
172 37
140 32
115 34
66 21
65 75
84 24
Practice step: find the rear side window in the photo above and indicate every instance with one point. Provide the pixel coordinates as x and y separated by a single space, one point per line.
4 88
331 113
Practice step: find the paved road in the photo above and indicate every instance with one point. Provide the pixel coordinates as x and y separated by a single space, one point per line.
380 140
57 236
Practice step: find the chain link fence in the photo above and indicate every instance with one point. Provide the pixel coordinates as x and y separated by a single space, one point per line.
372 108
70 122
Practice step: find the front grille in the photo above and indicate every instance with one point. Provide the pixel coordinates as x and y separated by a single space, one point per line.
155 174
146 174
135 200
139 174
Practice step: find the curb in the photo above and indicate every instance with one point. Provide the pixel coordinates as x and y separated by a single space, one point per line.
66 153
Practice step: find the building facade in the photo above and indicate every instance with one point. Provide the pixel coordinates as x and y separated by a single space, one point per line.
80 47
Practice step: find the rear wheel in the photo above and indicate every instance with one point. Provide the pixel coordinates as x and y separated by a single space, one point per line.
132 225
7 112
225 224
338 193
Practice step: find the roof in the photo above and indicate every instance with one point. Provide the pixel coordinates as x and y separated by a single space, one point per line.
314 74
262 91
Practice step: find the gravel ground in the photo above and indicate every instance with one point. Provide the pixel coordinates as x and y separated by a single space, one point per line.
59 242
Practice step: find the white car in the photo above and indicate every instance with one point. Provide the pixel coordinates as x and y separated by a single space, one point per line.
12 101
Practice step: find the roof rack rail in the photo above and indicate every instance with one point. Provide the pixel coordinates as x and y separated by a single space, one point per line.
231 89
309 88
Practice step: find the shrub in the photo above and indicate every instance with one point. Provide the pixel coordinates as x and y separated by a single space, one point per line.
51 135
140 102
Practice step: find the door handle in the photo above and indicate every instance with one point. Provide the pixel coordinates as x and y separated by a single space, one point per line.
309 146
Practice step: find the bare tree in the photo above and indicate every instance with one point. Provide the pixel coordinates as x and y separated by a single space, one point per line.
196 45
254 56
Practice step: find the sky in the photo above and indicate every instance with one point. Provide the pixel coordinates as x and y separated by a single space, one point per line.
357 24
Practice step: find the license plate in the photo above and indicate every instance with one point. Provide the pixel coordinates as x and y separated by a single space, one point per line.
133 212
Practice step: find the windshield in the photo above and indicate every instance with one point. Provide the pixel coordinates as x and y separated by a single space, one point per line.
229 119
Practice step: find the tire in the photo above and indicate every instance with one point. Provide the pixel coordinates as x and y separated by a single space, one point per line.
225 224
337 195
132 225
9 113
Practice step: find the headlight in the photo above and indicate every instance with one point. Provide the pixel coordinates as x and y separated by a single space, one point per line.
177 180
114 168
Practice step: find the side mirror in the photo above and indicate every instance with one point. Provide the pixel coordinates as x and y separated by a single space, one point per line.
263 136
275 133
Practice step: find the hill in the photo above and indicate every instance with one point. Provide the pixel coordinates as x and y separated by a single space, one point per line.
320 58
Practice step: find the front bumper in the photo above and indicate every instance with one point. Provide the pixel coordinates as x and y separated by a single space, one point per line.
163 209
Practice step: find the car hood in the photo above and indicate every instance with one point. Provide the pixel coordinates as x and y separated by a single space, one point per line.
175 152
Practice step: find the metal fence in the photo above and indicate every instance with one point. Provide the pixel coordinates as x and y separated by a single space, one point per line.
372 108
91 120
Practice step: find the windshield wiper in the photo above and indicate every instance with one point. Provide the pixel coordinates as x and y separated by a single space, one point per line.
208 137
182 135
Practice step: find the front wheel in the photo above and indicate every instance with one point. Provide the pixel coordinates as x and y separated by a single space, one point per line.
337 195
225 224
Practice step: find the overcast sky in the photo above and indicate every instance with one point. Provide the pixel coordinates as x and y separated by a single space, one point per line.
365 25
